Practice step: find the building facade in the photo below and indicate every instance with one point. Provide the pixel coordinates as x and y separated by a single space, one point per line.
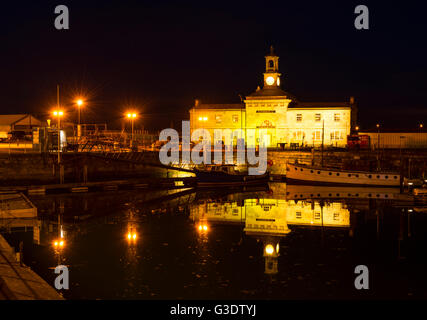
278 115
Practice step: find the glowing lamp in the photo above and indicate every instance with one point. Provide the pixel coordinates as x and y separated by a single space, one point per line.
269 249
269 81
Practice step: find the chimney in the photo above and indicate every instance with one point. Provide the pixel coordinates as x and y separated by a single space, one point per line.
351 100
196 102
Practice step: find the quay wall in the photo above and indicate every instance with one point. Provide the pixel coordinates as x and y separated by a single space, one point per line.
36 169
18 282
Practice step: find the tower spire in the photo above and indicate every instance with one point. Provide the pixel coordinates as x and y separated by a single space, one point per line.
271 74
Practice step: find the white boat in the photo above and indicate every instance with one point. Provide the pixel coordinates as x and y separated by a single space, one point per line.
301 174
301 192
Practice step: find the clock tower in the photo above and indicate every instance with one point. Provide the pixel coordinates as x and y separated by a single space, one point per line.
271 74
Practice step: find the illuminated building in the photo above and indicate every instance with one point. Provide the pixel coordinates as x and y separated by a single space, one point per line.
284 119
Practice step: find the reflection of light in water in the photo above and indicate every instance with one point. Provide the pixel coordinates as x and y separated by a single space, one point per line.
131 235
203 228
59 244
271 254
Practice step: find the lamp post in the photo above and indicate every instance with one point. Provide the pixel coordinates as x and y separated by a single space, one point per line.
59 114
79 103
131 116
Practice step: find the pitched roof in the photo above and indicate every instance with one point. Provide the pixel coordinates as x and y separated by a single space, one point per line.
9 119
329 105
219 106
270 92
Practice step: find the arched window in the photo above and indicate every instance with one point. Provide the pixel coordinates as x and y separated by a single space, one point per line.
271 64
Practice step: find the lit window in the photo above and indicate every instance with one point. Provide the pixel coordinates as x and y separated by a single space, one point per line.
317 117
299 117
317 135
235 118
205 118
336 117
298 215
336 135
218 118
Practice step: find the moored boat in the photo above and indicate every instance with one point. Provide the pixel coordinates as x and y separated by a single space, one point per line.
302 174
226 175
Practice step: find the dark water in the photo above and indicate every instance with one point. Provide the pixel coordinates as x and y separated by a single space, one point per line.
267 243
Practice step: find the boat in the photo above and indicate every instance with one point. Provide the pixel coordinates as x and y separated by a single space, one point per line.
226 175
303 174
302 192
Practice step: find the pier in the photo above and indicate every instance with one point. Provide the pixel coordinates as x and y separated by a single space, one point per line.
17 281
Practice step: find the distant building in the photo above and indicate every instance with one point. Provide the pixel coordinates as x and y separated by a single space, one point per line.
395 139
17 122
284 119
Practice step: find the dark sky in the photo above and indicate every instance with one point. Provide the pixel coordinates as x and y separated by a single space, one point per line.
159 56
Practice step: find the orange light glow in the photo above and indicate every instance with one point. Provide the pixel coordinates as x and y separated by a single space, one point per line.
131 236
269 249
131 115
203 227
58 113
59 244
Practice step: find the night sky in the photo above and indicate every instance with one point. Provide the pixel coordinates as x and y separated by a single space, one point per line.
159 56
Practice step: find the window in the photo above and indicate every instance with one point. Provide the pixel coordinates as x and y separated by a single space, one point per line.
298 215
235 118
336 135
298 135
299 117
336 216
336 117
317 117
218 118
317 135
271 64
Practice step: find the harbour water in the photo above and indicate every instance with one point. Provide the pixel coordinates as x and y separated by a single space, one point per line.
269 242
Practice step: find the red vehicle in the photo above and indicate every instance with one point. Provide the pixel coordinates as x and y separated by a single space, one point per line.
358 141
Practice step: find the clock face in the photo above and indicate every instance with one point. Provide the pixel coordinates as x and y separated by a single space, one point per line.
269 81
278 82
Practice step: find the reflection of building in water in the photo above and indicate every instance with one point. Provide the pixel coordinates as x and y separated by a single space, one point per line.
216 211
271 254
272 215
266 216
267 219
329 214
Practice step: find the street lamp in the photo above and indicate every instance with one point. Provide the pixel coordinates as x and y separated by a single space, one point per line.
79 103
59 114
131 116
